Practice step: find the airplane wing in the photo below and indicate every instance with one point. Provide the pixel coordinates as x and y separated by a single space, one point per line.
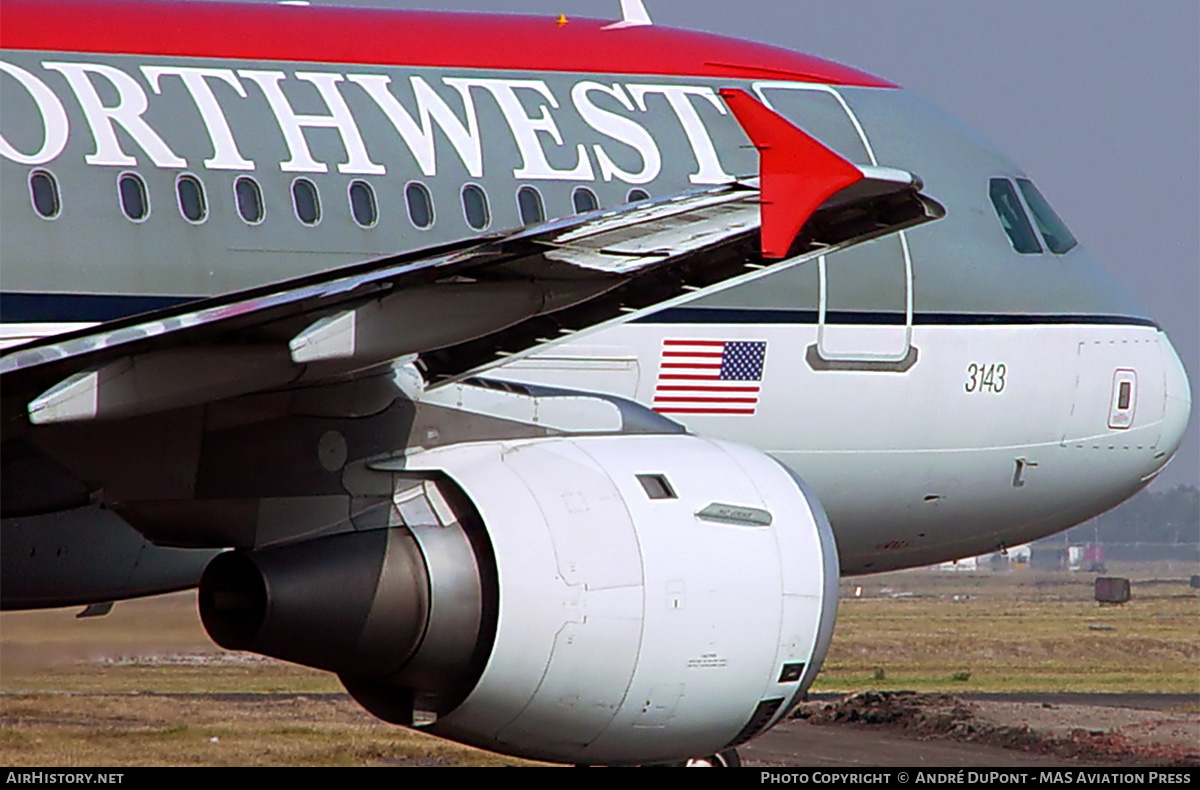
460 309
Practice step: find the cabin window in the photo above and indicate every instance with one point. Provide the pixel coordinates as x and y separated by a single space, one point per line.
134 201
637 194
1012 217
475 206
249 200
306 201
584 200
1058 239
190 192
420 204
362 204
43 190
529 203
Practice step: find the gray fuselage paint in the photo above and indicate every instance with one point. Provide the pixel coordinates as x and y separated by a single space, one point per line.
552 131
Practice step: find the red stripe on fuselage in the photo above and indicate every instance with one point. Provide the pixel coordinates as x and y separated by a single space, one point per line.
405 38
700 388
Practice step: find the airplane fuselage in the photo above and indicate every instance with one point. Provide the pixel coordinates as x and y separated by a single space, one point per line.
948 390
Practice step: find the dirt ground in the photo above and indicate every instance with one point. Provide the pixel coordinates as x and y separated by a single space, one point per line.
1103 733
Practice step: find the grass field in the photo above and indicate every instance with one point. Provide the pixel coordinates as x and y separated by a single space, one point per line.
144 685
1013 632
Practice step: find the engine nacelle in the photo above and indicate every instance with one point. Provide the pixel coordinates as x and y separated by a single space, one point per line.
604 599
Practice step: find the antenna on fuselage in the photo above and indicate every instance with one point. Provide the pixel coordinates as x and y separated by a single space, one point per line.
633 14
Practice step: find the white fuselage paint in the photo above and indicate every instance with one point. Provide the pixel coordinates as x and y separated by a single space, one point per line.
912 467
924 466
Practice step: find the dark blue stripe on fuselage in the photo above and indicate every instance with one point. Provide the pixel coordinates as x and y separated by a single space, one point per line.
749 315
39 308
53 308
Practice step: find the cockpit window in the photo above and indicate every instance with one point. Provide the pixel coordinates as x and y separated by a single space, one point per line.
1012 217
1053 230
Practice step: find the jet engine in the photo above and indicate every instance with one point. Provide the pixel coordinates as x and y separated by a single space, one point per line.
598 599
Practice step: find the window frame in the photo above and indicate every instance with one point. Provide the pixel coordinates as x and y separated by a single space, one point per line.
1024 214
316 201
408 205
262 203
1037 218
487 206
204 211
541 201
588 191
374 203
135 176
58 204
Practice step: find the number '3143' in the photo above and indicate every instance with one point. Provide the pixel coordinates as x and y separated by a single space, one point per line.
985 378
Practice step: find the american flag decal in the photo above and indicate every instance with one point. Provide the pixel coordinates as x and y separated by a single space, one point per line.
709 376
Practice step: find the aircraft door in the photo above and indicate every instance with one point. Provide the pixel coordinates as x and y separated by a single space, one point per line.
1118 393
865 312
864 317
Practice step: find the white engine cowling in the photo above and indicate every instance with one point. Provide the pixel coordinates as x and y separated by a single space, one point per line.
660 596
600 599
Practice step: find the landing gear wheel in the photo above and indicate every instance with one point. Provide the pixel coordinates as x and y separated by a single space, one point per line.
725 759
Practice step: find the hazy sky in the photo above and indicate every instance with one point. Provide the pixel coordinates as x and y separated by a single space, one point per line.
1098 100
